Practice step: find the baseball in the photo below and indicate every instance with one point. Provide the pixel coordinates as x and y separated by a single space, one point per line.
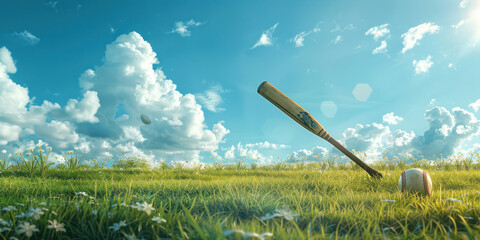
415 180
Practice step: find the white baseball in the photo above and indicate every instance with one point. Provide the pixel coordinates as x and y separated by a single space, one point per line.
415 180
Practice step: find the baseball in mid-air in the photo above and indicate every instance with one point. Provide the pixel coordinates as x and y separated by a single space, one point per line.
415 180
145 119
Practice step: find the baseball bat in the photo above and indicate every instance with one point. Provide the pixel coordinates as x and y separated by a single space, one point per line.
302 117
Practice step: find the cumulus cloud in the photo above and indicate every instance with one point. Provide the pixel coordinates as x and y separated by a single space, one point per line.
262 152
475 106
378 31
446 133
182 28
16 107
266 37
391 119
380 49
9 133
415 34
59 134
128 79
308 155
106 120
211 98
300 38
85 110
422 66
28 37
7 61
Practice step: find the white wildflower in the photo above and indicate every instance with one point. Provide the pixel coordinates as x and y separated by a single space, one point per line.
9 208
159 220
24 215
59 227
117 226
453 200
81 193
146 207
3 222
389 201
282 213
4 151
36 213
247 235
27 229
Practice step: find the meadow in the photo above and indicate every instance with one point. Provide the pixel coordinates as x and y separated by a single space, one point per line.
317 199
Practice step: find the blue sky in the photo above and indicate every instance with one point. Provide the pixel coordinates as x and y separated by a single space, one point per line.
78 74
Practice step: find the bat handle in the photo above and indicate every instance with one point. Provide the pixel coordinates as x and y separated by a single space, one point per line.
372 172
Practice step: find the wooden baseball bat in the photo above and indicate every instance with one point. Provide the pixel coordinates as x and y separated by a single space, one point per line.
302 117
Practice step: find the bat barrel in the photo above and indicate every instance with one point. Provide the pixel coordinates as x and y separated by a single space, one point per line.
292 109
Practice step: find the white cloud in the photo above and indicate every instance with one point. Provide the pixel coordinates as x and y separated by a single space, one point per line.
28 37
85 80
368 138
266 144
128 80
85 110
463 3
59 134
460 24
337 39
475 106
422 66
308 155
379 31
182 28
415 34
211 98
7 60
300 38
9 133
391 119
261 153
266 37
380 49
447 131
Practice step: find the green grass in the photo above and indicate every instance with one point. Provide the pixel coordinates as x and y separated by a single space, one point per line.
205 203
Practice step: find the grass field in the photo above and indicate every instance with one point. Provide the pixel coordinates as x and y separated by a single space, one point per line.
238 201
